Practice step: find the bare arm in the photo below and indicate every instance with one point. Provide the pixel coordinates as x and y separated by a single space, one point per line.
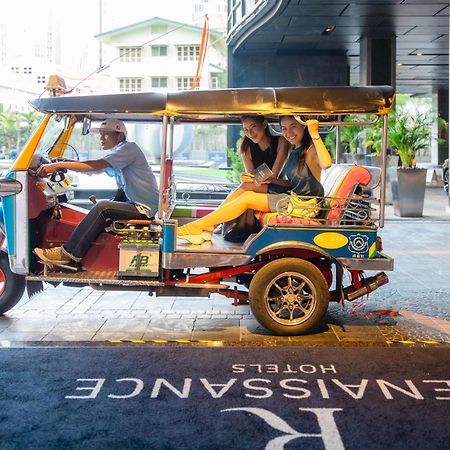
247 160
94 165
248 166
282 154
321 158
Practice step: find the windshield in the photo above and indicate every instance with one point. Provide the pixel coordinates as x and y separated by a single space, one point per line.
54 128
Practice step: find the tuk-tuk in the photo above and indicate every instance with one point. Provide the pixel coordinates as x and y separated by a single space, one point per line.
288 271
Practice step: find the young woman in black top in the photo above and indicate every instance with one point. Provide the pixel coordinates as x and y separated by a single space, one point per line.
259 146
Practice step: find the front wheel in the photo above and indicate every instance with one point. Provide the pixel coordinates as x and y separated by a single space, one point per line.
12 285
289 296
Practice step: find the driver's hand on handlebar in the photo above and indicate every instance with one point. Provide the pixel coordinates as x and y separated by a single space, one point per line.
45 170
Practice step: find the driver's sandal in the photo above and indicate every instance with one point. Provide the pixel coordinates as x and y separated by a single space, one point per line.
58 257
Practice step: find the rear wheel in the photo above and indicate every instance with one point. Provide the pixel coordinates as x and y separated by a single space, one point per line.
12 285
289 296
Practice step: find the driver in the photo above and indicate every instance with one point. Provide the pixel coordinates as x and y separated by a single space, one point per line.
127 163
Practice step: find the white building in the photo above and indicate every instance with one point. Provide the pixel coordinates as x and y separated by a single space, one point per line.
162 55
16 90
216 10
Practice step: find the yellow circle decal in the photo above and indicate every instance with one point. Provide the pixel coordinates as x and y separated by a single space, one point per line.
330 240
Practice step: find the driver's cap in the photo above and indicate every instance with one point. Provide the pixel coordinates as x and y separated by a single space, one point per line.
111 125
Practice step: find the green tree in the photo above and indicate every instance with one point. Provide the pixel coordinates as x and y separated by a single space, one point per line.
350 136
236 163
16 127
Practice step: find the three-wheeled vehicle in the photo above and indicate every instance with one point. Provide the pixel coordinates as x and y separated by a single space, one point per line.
288 271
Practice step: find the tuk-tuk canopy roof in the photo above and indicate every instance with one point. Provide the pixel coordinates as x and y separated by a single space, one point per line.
226 104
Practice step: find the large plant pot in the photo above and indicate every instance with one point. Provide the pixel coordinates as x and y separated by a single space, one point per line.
408 191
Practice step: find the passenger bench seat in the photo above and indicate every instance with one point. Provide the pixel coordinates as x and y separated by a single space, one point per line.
340 182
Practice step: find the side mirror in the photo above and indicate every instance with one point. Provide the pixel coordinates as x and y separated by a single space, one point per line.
86 126
9 187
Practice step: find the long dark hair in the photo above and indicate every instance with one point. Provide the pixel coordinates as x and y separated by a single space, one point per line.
247 142
304 145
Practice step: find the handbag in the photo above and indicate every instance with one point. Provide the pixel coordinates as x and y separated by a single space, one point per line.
240 228
305 208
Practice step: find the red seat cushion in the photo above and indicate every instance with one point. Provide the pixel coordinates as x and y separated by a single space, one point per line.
354 176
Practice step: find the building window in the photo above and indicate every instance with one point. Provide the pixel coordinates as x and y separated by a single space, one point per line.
214 83
184 83
15 69
41 79
188 52
27 70
159 50
130 84
130 54
159 82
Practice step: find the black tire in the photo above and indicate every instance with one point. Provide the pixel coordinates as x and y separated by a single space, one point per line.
289 296
12 285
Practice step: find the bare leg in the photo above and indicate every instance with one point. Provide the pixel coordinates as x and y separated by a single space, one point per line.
227 211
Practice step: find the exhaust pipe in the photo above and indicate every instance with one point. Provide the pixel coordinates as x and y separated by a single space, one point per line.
368 285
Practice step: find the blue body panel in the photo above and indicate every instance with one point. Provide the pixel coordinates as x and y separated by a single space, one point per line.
347 243
7 217
169 237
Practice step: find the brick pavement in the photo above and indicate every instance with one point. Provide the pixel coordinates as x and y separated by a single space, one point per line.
419 291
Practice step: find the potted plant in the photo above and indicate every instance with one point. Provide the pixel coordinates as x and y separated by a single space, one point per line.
371 137
409 133
349 140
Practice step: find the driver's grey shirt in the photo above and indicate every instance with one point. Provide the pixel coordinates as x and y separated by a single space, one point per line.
133 174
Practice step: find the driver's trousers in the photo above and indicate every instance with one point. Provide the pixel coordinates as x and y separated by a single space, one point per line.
95 223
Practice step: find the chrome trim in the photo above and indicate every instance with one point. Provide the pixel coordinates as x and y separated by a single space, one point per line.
179 260
385 263
80 277
10 186
202 285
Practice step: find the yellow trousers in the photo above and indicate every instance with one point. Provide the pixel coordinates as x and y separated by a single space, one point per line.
237 203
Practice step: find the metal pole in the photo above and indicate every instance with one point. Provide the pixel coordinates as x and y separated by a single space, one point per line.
100 27
171 131
338 143
162 173
383 170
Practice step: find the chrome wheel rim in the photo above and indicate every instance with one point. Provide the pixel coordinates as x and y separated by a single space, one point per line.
290 298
